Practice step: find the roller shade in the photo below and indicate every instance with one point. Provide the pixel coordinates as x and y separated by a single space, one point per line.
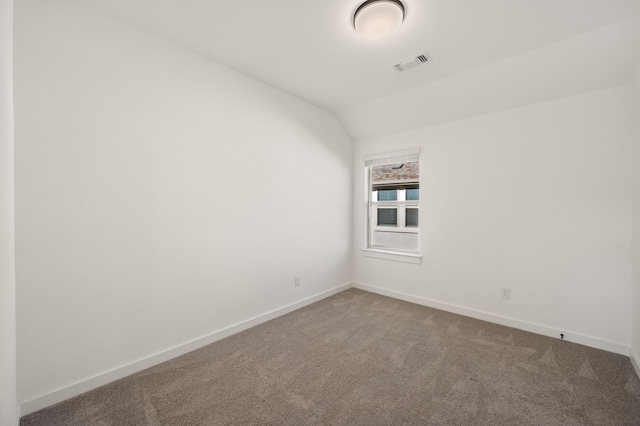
396 157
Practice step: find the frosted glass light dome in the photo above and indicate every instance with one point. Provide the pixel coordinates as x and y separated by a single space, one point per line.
378 19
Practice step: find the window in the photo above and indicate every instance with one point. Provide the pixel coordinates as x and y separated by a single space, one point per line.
393 202
387 216
388 195
412 216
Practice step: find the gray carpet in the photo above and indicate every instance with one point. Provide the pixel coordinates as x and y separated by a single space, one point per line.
358 358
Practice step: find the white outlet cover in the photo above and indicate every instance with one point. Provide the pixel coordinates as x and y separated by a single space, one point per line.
506 293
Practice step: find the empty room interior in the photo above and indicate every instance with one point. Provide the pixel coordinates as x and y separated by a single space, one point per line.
327 212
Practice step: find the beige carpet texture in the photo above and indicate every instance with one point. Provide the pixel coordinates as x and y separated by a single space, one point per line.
359 358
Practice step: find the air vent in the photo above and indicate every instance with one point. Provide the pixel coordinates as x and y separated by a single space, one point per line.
413 62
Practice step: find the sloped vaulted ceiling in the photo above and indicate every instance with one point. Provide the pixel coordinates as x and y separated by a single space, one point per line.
487 54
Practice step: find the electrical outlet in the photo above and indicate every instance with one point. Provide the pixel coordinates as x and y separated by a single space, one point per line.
296 281
505 293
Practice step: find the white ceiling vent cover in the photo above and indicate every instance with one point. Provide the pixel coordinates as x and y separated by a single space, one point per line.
413 62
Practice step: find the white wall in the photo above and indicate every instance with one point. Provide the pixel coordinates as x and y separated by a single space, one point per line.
635 301
536 199
160 197
7 228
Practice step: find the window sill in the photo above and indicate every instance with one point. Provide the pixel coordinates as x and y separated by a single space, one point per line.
414 258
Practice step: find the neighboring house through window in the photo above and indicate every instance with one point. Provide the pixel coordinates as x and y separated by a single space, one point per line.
393 202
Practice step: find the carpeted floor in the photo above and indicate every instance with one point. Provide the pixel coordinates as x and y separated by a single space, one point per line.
358 358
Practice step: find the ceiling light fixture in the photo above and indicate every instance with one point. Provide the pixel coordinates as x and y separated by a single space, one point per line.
378 19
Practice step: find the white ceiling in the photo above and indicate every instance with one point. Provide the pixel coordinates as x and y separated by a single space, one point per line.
309 48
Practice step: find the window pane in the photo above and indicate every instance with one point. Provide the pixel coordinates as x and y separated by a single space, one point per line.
387 195
413 194
387 217
412 217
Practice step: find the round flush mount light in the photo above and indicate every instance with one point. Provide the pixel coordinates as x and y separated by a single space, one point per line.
378 19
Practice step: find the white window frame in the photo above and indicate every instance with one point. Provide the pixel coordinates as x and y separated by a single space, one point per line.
371 206
401 205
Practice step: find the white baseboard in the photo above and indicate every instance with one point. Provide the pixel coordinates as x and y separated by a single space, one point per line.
635 361
502 320
91 383
94 382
